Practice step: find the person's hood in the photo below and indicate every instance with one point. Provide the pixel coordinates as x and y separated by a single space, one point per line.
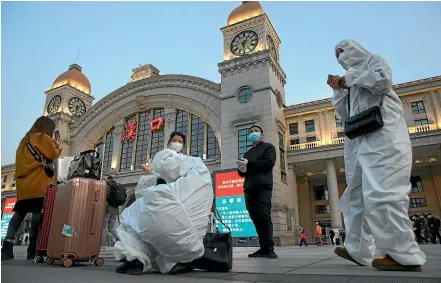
353 55
170 165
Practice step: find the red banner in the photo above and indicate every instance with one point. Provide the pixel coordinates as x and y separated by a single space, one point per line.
228 184
156 124
9 205
129 133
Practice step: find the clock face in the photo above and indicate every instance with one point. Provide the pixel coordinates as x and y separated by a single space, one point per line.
244 42
76 106
272 47
54 104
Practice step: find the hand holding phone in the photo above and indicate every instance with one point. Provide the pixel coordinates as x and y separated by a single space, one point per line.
330 78
57 135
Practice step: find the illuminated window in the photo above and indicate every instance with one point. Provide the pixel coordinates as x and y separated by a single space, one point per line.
108 150
157 137
310 126
418 107
417 184
127 149
143 137
197 136
417 202
212 145
244 144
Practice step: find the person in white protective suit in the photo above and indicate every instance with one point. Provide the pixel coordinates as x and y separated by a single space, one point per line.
378 165
164 228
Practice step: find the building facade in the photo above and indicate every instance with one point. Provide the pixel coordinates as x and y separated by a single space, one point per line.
309 174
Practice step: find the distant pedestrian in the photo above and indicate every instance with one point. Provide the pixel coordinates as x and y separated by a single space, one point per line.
26 240
303 238
331 236
318 234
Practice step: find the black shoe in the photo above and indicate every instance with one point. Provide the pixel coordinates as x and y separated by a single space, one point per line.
30 256
134 267
258 253
7 251
181 268
271 255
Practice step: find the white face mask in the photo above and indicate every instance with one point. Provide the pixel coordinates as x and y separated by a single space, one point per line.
176 146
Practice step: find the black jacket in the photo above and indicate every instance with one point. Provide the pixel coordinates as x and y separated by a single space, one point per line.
261 159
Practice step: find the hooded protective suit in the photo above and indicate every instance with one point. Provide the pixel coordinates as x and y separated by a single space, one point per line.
378 165
167 223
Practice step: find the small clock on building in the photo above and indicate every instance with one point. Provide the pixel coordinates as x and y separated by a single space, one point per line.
54 104
244 42
76 106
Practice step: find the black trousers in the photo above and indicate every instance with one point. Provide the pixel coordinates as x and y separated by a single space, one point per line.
258 203
435 233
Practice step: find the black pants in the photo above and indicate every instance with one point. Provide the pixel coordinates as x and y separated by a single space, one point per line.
258 203
435 233
332 240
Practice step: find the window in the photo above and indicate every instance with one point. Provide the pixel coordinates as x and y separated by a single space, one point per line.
212 144
182 122
282 156
417 184
143 137
322 209
418 107
311 139
99 148
127 149
338 122
244 143
417 202
108 150
320 192
310 126
294 142
421 122
157 137
5 178
244 95
293 129
197 136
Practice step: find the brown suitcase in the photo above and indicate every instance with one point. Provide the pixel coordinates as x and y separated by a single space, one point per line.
76 227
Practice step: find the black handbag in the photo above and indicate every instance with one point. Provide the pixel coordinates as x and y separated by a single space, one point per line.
365 122
48 167
86 165
218 255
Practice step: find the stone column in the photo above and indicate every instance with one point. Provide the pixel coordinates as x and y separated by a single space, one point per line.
117 143
292 182
436 109
334 197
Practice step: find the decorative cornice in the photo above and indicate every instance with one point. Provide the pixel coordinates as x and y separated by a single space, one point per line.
8 167
245 24
67 88
238 123
183 81
251 60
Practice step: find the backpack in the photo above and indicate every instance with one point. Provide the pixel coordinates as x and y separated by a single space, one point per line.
117 194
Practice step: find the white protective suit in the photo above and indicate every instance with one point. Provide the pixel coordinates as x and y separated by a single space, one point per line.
378 165
167 223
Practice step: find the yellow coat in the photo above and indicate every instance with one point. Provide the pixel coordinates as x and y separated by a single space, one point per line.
31 180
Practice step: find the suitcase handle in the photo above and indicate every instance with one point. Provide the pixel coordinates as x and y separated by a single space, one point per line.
93 226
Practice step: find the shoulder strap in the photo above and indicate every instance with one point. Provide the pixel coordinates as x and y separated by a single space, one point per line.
33 152
217 215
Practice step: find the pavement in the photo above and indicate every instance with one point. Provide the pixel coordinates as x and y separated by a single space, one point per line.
310 264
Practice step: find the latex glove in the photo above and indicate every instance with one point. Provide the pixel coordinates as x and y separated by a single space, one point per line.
243 169
242 162
148 169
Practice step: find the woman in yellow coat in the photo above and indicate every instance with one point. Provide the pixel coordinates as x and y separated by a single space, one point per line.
31 181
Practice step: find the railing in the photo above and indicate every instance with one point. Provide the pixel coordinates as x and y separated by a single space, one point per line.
307 145
422 128
338 141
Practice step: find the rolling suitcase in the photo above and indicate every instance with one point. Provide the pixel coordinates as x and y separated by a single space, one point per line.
43 234
76 228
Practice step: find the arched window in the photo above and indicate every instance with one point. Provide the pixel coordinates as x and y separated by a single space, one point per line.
143 138
197 136
157 137
127 147
213 150
108 150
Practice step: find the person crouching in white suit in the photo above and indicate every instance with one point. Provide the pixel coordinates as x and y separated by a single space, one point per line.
164 228
378 165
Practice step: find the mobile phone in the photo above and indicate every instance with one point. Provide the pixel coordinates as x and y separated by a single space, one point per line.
57 135
330 78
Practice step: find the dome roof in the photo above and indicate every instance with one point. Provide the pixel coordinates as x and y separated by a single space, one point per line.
75 78
248 10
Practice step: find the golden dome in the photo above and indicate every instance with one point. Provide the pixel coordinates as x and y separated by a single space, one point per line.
75 78
247 10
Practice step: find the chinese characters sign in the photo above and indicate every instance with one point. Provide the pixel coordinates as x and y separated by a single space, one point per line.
7 215
157 124
230 202
129 133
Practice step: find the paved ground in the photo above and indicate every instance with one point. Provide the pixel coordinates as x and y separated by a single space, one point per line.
304 265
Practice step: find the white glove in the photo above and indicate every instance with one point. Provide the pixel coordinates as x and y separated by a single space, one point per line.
242 162
243 169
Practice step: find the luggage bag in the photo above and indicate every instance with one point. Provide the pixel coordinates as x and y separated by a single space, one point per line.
46 218
76 228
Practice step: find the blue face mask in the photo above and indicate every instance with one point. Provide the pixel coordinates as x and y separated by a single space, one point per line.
254 137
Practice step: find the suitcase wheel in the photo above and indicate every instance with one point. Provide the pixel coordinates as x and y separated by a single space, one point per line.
98 261
67 262
49 261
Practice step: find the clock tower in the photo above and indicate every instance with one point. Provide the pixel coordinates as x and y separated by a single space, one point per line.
252 86
67 100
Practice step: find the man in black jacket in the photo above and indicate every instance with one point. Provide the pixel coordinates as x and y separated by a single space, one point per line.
257 168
